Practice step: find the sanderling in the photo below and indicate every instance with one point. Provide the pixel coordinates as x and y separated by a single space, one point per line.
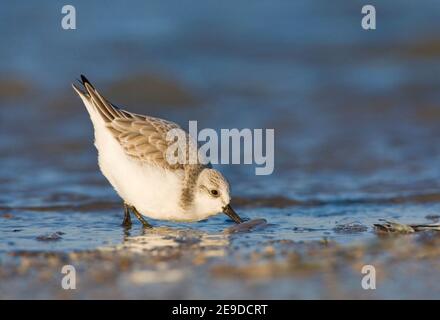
132 156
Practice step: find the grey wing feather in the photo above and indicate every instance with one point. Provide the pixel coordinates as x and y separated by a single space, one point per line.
142 138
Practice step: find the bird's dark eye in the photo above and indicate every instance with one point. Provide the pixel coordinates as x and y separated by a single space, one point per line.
214 192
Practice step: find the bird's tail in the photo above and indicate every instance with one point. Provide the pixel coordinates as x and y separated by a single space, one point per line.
95 103
84 95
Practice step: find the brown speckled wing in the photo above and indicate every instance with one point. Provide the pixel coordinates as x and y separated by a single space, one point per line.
144 140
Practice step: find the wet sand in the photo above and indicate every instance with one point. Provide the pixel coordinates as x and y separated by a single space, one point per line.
171 263
323 256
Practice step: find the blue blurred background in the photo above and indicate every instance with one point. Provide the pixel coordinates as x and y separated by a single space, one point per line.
357 124
356 113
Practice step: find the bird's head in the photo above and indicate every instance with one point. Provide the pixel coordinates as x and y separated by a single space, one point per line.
212 195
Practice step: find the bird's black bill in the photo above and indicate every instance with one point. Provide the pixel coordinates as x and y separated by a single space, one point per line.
232 214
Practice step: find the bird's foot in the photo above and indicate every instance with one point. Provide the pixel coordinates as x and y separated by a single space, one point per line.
144 222
127 220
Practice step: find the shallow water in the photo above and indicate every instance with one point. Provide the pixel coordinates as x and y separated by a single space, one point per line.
355 114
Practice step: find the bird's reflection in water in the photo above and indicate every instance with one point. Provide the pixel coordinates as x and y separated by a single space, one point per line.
169 254
212 244
194 240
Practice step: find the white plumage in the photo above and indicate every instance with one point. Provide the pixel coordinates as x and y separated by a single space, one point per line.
131 155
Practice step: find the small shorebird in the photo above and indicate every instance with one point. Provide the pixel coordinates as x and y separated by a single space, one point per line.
132 156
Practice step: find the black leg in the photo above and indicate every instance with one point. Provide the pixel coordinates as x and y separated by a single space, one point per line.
144 222
127 220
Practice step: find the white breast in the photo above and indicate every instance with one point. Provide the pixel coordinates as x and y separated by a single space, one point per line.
153 191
